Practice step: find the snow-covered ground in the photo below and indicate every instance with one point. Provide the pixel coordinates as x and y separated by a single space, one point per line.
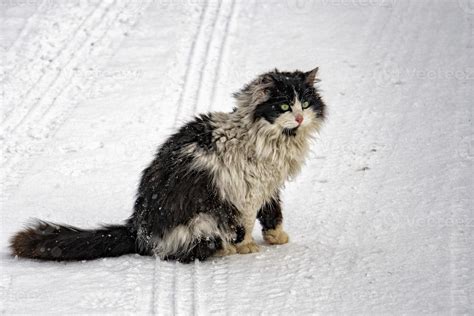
381 218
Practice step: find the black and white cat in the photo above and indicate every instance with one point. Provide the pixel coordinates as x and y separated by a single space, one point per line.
208 183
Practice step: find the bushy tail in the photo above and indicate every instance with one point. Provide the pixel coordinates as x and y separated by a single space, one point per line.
48 241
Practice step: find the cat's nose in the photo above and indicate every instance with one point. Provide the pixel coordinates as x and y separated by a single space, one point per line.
299 118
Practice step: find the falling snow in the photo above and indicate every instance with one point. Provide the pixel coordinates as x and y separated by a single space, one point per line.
380 219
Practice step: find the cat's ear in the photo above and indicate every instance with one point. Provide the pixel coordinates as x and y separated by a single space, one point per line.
260 91
266 79
255 92
310 76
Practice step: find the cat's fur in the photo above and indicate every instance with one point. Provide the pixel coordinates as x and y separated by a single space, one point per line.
208 183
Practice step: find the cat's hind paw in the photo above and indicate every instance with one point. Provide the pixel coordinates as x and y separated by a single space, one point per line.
275 236
226 251
247 247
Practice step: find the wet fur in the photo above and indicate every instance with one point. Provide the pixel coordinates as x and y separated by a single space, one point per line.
208 183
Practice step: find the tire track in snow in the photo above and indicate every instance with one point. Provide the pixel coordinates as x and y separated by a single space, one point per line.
196 63
218 281
162 294
196 275
32 19
19 116
208 79
40 111
189 303
17 145
189 61
31 137
202 66
222 51
208 59
162 271
204 102
15 118
107 35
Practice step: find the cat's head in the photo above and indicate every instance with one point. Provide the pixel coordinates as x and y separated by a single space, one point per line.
286 102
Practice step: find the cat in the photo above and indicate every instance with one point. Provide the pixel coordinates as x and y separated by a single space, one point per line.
208 183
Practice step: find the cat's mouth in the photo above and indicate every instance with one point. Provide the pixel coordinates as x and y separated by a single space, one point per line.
290 131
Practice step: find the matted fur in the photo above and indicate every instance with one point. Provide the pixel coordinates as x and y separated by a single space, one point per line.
209 181
185 237
252 160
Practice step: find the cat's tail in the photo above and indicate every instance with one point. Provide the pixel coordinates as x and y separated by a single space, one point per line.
48 241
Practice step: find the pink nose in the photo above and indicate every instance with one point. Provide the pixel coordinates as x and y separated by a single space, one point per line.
299 118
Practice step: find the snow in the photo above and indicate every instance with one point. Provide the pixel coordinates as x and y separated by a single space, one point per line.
381 218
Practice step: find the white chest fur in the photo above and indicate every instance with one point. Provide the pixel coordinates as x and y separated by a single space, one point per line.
251 161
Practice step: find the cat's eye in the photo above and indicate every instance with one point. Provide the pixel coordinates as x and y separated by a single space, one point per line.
305 104
285 107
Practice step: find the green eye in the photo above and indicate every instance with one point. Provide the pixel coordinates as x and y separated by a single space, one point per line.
285 107
305 105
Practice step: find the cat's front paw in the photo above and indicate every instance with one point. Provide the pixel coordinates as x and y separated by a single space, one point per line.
275 236
247 247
